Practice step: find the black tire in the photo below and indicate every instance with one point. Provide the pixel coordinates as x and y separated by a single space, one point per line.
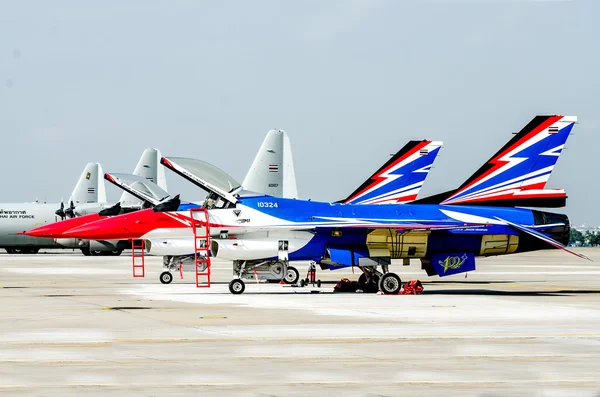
32 251
115 253
166 277
10 250
237 286
291 275
96 252
303 283
318 283
390 284
17 251
86 251
370 287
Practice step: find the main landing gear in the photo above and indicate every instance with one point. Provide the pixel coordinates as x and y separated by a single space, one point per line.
390 284
292 275
271 271
22 250
372 281
88 252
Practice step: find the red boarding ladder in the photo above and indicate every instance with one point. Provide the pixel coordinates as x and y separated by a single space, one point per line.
201 231
139 270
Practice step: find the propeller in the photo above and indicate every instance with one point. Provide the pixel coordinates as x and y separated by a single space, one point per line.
70 212
61 211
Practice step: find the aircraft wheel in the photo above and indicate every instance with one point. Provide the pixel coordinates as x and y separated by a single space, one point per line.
390 284
17 250
292 275
115 252
236 286
166 277
318 283
95 252
303 283
86 251
32 251
10 250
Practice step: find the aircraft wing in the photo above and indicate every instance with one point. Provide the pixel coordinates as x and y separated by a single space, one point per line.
369 225
139 187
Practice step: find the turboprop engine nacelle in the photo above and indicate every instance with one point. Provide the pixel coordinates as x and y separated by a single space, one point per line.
169 246
260 248
67 242
103 245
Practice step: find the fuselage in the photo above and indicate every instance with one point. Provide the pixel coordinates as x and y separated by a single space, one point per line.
315 229
17 218
20 217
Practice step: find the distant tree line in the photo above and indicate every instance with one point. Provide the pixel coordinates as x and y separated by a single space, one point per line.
584 239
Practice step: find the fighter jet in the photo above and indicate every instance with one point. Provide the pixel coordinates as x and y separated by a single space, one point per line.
259 232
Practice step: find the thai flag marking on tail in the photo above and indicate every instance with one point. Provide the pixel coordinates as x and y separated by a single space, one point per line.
91 190
400 179
273 168
522 167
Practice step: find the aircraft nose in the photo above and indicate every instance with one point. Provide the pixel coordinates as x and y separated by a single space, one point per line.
56 229
43 231
103 230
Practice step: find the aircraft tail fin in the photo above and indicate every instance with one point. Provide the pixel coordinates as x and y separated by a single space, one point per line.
272 171
90 187
149 168
400 179
517 174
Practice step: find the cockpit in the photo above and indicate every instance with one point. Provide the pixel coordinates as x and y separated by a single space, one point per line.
222 189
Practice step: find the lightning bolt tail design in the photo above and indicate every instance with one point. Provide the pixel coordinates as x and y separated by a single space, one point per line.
400 179
517 174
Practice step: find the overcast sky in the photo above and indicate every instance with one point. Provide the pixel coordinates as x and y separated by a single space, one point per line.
350 81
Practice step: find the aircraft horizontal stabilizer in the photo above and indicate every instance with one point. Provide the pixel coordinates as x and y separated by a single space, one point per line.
543 237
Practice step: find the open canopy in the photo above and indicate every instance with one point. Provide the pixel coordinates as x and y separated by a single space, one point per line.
139 187
208 173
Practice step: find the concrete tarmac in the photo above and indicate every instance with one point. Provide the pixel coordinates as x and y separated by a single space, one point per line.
521 325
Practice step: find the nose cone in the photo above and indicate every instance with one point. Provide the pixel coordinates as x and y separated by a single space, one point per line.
122 227
56 229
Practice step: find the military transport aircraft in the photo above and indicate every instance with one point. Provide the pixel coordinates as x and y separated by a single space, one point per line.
258 231
88 197
17 217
